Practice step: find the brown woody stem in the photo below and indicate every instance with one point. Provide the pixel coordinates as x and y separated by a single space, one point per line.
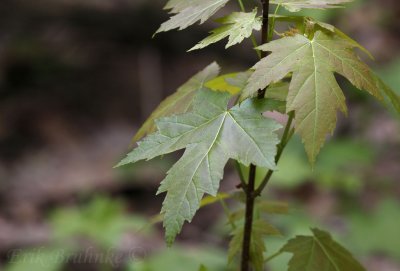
250 189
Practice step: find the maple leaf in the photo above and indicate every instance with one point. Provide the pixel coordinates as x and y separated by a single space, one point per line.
189 12
175 6
237 26
212 135
297 5
319 253
314 93
180 101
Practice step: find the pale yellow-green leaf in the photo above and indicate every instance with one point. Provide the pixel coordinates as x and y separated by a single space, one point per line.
176 6
190 13
237 26
221 83
208 200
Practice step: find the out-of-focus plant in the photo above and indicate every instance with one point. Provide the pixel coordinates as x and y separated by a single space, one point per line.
178 258
85 235
103 221
296 77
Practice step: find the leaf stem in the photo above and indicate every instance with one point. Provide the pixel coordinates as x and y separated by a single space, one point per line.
242 6
287 135
264 35
241 176
252 38
227 212
272 28
248 224
273 256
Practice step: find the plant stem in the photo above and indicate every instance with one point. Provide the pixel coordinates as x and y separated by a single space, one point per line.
273 256
241 6
252 38
250 189
287 135
248 224
265 23
252 193
272 28
264 35
243 183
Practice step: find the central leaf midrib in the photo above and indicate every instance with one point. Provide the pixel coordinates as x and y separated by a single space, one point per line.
200 161
326 253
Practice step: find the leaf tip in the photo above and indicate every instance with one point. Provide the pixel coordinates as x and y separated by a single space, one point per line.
121 163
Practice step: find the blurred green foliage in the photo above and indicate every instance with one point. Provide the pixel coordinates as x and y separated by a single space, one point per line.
103 221
39 259
375 232
341 165
182 259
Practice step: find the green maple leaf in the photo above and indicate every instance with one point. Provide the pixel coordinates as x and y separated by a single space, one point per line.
297 5
212 135
311 24
260 230
314 93
175 6
189 12
180 101
319 253
237 26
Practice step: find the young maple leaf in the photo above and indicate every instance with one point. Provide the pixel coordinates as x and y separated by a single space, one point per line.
319 252
189 12
237 26
211 135
314 93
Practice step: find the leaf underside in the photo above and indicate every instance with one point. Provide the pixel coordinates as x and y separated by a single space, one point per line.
211 135
188 12
179 102
319 253
297 5
237 26
314 93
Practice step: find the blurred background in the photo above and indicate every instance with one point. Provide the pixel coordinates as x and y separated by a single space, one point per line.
77 78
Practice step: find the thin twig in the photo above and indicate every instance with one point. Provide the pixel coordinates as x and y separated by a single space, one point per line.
227 212
287 135
241 176
273 256
250 195
252 38
264 35
248 224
